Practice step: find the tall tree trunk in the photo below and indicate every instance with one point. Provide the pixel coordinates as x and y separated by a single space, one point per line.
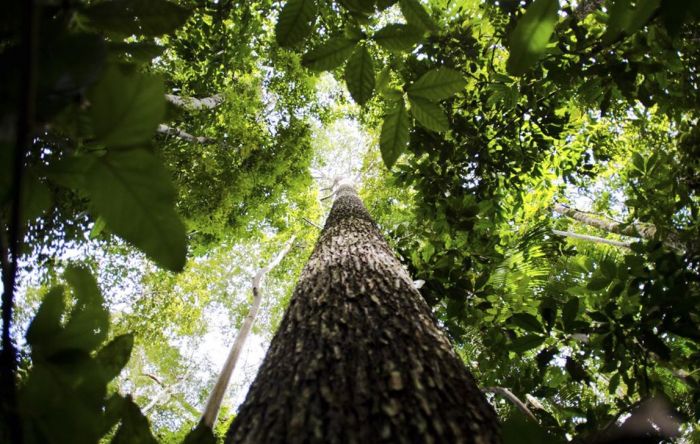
358 357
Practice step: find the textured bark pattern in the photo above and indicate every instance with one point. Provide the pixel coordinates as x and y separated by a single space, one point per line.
358 357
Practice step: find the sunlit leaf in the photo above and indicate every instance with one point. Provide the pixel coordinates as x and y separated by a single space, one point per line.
531 35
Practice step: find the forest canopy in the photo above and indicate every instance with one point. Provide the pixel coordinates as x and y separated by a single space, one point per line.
535 166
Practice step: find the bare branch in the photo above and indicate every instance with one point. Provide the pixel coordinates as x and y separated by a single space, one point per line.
170 131
192 103
512 398
638 230
597 239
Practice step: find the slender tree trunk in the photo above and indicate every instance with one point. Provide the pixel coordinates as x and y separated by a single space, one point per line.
358 357
211 411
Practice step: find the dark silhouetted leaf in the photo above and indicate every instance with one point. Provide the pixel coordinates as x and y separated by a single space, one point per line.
428 114
359 75
416 15
132 192
394 135
329 55
437 84
295 22
398 37
525 343
127 17
126 107
114 356
526 321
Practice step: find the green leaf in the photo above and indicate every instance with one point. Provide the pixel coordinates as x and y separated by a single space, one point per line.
525 343
626 17
653 343
89 320
132 192
526 321
47 321
364 7
394 136
36 197
359 75
295 22
97 228
569 312
575 370
126 17
114 356
398 37
437 84
134 428
531 35
416 15
329 55
70 172
140 52
598 282
428 114
608 268
126 107
518 429
202 434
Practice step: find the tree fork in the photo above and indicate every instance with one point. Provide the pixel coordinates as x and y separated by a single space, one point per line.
358 357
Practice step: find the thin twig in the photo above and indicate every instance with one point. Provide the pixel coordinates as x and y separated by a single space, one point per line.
313 224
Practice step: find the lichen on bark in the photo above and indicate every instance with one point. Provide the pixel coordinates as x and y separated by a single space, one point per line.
358 357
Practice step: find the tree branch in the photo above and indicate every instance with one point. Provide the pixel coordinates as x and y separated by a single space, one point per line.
180 134
512 398
211 411
596 239
643 231
194 104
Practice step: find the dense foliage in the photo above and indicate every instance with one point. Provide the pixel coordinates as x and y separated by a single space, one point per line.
535 163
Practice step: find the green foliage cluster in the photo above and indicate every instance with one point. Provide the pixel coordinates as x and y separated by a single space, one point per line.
487 116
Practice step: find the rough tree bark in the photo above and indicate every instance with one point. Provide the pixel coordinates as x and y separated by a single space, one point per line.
358 357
